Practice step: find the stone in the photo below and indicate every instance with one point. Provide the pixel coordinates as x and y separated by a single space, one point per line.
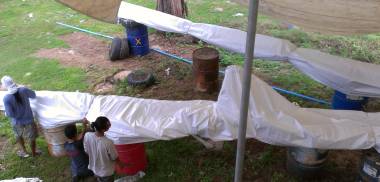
120 76
104 87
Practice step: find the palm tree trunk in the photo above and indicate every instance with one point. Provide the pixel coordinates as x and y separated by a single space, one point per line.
173 7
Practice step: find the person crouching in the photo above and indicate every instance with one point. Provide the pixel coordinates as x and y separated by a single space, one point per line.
75 150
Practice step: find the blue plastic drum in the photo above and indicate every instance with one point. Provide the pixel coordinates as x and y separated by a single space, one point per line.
342 101
137 35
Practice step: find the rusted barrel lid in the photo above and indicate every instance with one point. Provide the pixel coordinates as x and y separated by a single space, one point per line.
205 54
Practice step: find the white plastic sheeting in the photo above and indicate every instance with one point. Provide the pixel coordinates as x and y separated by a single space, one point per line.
224 37
137 120
345 75
273 119
21 179
55 108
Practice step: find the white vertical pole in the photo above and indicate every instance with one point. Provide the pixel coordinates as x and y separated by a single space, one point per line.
249 49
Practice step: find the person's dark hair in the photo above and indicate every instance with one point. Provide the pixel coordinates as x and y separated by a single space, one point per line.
71 131
101 123
18 97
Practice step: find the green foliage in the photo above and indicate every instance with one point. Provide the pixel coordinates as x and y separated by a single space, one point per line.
187 160
264 159
27 27
45 167
228 58
5 126
123 88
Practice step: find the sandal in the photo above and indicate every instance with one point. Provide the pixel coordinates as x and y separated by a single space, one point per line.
38 153
22 154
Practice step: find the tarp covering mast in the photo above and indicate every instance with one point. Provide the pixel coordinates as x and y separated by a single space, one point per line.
338 17
104 10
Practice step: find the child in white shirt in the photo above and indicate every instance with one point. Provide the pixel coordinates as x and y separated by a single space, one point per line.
101 151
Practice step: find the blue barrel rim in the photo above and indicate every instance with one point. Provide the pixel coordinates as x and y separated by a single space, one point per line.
343 101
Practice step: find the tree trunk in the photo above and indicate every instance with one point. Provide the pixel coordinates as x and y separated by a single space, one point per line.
173 7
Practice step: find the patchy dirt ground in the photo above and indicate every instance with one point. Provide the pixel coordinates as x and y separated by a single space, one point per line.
91 54
86 51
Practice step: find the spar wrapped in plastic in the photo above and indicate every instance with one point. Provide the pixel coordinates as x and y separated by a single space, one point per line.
228 38
345 75
271 117
274 120
56 108
136 120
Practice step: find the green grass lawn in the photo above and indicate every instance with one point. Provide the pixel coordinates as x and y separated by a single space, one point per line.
29 25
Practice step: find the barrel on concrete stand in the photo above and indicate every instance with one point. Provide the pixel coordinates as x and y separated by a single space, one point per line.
55 137
369 167
137 35
134 158
206 69
305 162
342 101
309 162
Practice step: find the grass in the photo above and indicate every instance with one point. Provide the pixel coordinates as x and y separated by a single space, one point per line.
22 36
29 167
29 25
186 160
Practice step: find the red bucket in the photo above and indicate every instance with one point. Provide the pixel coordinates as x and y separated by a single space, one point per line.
134 157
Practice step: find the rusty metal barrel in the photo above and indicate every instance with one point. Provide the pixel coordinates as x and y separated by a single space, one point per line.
55 137
206 69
